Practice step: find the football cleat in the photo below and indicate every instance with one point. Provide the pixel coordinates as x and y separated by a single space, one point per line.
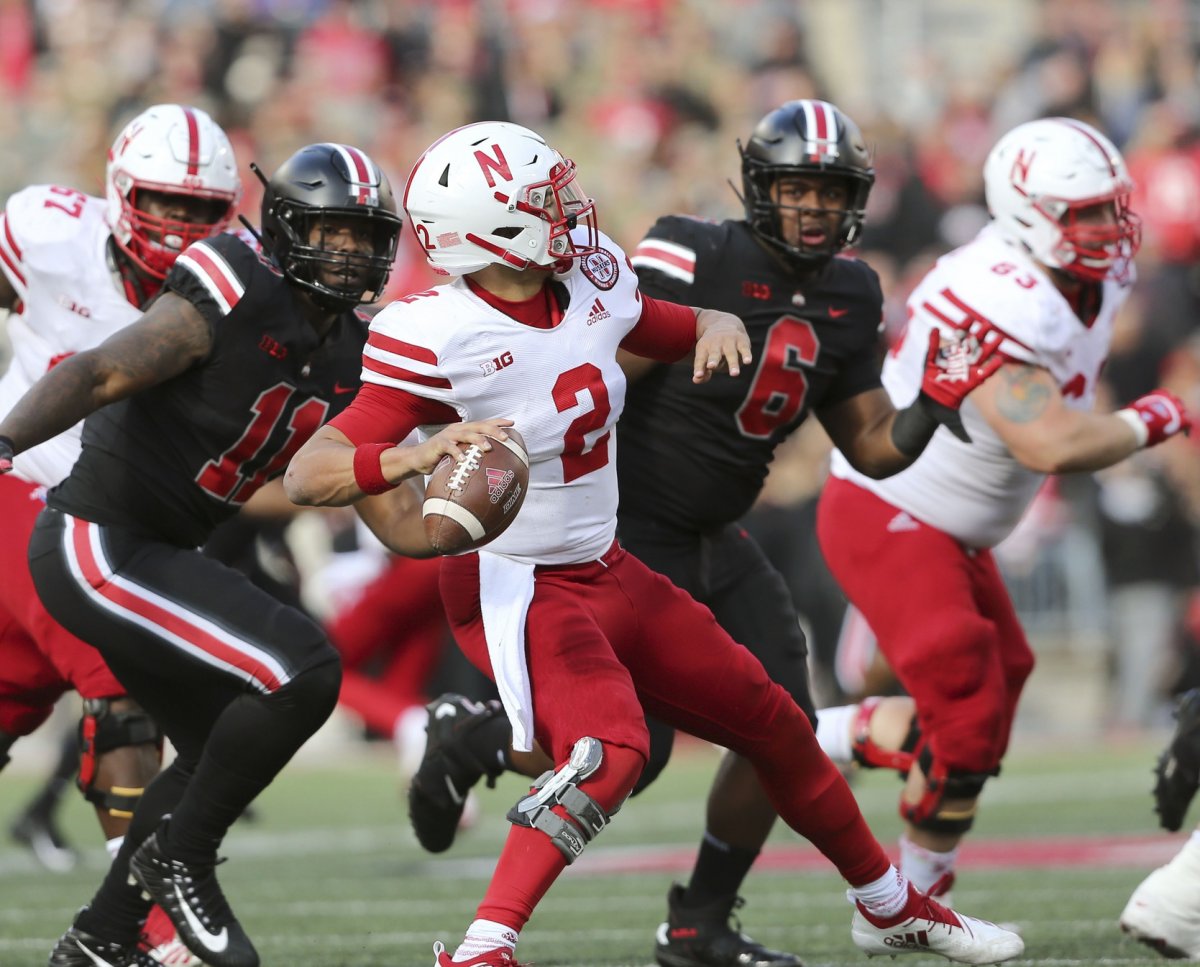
1164 912
39 832
1177 774
190 895
76 948
924 926
703 937
449 769
500 957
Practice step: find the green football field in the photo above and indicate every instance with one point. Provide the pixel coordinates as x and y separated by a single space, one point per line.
330 876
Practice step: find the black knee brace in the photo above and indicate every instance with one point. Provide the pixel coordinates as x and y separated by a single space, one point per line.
941 784
101 730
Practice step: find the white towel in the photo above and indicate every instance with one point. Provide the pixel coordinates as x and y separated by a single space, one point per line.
505 591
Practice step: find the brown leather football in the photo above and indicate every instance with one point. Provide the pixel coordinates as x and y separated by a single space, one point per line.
471 501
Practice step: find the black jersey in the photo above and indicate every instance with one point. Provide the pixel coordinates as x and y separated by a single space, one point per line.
175 460
695 457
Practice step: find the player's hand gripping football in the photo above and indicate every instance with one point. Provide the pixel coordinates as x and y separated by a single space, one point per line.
721 341
454 439
955 364
6 454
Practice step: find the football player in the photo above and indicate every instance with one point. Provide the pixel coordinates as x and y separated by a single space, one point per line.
578 634
193 407
1164 910
693 459
1046 277
76 269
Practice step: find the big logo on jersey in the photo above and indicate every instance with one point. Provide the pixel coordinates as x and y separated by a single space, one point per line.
600 268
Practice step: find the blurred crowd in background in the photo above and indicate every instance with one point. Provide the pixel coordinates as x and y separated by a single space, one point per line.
650 98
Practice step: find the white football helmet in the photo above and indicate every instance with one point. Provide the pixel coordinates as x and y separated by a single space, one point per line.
178 150
495 192
1037 179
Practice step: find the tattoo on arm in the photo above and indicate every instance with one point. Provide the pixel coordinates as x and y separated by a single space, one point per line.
1022 394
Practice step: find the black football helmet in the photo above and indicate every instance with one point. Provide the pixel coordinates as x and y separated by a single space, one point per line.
804 138
318 182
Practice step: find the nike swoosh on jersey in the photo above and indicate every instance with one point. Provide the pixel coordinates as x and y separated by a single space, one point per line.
216 942
339 388
837 313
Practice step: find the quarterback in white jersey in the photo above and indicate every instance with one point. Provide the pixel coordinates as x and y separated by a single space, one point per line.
1045 280
581 638
74 269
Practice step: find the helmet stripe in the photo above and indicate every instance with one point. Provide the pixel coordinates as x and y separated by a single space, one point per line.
820 129
364 180
193 126
1087 133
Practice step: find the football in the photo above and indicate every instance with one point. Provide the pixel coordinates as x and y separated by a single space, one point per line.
471 501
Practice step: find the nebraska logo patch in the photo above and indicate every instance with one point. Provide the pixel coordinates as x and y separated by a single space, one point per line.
600 268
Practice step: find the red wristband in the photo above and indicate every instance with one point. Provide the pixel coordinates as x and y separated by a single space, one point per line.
368 471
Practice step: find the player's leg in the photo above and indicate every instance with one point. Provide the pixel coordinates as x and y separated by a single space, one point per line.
598 745
1164 911
235 679
729 573
36 826
951 636
690 673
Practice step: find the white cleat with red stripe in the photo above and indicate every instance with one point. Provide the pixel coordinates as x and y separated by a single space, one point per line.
924 926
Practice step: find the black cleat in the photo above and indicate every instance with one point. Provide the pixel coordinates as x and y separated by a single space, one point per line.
1177 774
703 937
39 832
75 948
191 896
449 769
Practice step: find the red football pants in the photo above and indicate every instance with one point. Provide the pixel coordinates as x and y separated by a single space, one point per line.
606 638
39 659
942 616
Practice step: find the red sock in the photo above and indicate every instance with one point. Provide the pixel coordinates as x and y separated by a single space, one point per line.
530 863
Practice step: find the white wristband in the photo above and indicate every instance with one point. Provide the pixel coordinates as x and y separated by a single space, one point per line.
1134 419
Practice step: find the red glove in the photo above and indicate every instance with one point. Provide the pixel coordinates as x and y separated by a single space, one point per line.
1156 416
953 370
956 367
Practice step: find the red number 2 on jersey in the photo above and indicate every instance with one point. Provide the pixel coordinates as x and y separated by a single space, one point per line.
577 458
777 394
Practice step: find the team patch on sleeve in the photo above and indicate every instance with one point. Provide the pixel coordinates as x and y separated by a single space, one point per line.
214 273
12 256
392 362
669 258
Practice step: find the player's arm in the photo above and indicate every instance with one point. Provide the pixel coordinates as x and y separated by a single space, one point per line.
1023 405
395 518
329 470
170 337
666 331
861 428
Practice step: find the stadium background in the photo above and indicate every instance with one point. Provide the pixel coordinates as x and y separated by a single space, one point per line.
650 97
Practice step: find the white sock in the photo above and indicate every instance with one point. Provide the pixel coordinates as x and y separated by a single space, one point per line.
113 846
484 936
925 866
886 896
833 732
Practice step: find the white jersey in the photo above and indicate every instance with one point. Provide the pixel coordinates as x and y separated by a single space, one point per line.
562 387
977 492
53 248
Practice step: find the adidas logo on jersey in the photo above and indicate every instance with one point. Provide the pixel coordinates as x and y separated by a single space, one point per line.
597 313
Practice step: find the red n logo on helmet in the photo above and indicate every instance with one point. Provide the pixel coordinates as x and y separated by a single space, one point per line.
499 164
1020 168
